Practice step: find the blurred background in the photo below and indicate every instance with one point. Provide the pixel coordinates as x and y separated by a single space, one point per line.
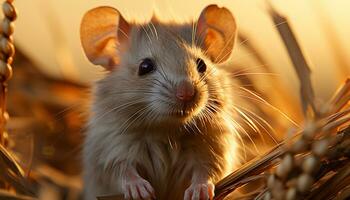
49 92
47 31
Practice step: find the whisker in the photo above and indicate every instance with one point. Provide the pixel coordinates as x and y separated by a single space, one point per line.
271 135
163 74
208 73
155 30
233 36
126 35
193 33
258 73
61 113
237 125
126 124
123 106
144 29
271 106
250 123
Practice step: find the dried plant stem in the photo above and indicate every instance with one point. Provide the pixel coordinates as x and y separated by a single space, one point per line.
252 168
332 186
12 173
7 52
299 62
9 196
344 194
340 98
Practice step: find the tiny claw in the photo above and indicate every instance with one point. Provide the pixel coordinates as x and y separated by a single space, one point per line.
137 188
200 191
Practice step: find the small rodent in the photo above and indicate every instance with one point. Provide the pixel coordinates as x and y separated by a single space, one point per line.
161 124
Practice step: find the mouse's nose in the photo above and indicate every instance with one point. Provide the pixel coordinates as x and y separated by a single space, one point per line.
185 91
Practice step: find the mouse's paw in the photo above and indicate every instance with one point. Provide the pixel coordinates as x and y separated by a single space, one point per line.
138 188
199 191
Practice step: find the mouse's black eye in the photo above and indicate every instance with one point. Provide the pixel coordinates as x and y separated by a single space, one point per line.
146 66
201 66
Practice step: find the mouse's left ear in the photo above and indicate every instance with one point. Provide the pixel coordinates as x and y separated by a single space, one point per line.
102 33
216 32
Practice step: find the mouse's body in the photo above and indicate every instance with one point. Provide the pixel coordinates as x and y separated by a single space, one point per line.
162 121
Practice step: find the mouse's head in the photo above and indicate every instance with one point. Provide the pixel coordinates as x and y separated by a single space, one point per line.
161 71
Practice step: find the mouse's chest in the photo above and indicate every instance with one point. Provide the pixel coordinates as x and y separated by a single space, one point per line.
163 154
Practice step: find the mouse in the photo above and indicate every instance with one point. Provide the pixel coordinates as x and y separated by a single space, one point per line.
161 122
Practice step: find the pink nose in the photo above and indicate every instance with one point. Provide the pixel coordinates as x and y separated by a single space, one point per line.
185 91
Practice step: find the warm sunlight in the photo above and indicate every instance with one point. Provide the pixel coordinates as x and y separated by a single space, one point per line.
321 26
174 99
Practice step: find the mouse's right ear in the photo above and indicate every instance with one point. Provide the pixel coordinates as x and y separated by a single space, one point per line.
102 32
216 32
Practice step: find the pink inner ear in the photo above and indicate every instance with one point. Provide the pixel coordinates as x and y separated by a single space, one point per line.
216 30
103 33
201 28
106 54
208 38
112 64
123 30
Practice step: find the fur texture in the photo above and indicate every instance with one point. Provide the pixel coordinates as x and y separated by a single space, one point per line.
136 121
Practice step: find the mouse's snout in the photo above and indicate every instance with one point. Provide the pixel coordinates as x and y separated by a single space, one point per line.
185 91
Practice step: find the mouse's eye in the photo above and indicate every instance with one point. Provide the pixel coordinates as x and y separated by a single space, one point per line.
146 66
201 66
